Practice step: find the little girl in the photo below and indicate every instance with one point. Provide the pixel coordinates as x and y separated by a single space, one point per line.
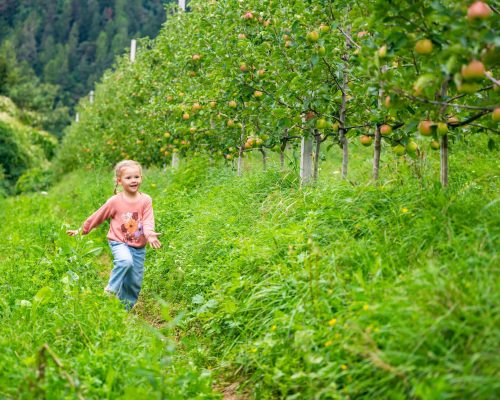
131 228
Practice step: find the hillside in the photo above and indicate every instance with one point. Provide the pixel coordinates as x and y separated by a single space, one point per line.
59 49
334 291
25 152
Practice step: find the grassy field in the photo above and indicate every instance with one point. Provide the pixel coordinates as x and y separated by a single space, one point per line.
333 291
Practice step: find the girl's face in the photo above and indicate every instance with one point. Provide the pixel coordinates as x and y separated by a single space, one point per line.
130 179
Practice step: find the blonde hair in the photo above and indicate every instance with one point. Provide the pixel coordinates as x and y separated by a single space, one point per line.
124 164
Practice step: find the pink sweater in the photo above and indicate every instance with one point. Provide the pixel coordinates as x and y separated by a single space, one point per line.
131 223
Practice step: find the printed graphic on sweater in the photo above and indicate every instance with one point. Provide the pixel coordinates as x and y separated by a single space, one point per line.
132 227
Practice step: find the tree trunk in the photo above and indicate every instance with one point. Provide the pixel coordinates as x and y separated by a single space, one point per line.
444 160
242 148
376 153
316 154
264 159
343 107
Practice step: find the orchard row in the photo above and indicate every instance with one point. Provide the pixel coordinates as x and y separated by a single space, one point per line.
231 77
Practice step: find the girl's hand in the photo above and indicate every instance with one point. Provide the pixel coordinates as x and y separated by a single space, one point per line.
73 232
153 240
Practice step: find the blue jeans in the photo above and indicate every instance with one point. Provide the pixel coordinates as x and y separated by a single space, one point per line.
127 274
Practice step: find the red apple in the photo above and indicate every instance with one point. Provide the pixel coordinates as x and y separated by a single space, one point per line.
424 127
478 10
366 140
475 70
385 130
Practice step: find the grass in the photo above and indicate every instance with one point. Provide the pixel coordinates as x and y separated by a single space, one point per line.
334 291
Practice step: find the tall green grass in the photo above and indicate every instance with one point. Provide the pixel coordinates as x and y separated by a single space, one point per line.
333 291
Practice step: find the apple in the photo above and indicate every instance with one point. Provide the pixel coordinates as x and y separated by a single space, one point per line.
387 101
324 28
442 128
478 10
248 15
321 51
288 43
258 141
266 23
496 114
232 104
261 72
167 134
196 107
243 68
192 74
258 93
335 126
242 36
310 115
213 104
385 130
475 70
192 129
286 37
321 123
230 123
423 46
196 57
170 98
366 140
425 128
435 145
412 147
453 120
382 52
399 150
185 116
312 36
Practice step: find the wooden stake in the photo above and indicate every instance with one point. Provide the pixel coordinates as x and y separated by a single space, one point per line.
306 149
175 160
133 47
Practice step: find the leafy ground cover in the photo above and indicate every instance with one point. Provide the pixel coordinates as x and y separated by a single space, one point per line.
332 291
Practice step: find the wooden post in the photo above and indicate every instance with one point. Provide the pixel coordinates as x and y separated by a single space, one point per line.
133 47
182 5
175 160
91 97
306 149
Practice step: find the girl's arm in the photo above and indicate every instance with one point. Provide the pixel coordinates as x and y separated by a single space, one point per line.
148 222
101 215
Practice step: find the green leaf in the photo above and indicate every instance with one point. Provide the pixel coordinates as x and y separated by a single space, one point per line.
43 295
